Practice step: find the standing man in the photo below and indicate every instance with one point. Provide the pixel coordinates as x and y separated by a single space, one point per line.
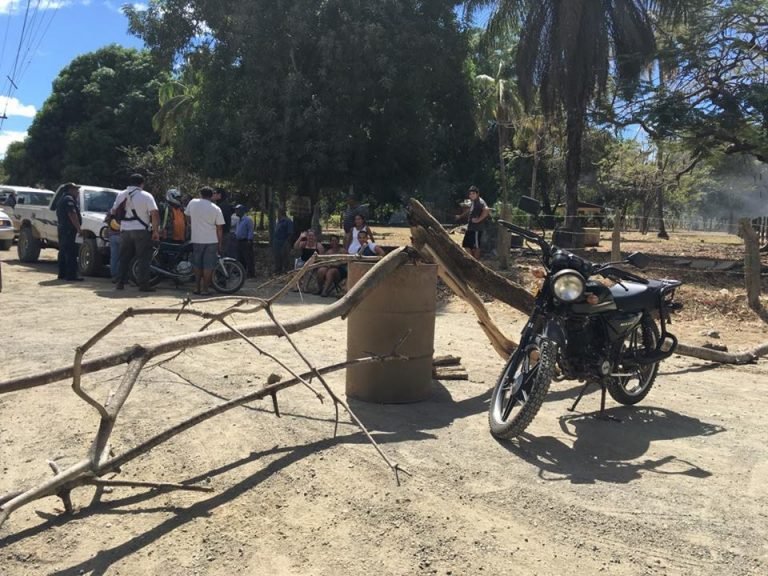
220 199
475 214
136 236
69 220
244 236
281 242
207 223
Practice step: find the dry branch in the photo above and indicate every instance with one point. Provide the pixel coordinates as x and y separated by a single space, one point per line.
340 308
463 270
98 462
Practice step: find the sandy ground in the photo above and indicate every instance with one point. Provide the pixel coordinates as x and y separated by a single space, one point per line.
677 487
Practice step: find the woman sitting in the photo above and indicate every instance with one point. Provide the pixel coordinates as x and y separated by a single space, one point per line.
308 244
329 276
354 241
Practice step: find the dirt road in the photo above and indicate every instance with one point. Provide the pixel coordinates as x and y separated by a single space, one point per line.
679 486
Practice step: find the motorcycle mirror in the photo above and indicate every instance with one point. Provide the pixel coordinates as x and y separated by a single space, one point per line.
639 260
529 205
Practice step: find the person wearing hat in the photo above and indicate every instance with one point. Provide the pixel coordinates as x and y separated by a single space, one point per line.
68 223
244 237
475 214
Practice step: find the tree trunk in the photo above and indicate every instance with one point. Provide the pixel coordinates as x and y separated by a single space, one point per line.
466 268
660 206
616 237
575 131
503 240
751 265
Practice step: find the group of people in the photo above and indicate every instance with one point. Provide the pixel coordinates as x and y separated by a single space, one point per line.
214 228
358 240
209 223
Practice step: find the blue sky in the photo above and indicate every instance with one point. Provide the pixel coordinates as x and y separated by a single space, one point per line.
56 32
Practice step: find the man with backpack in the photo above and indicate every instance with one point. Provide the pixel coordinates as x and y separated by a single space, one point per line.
139 219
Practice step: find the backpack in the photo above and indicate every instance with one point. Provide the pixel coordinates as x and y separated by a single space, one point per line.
120 213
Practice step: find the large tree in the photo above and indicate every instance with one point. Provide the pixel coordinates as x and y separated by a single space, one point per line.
567 52
306 95
100 102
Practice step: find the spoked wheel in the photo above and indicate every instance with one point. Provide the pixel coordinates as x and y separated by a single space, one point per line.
521 389
228 276
633 388
154 277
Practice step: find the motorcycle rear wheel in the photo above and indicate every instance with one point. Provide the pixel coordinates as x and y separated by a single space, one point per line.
522 386
630 390
154 277
230 282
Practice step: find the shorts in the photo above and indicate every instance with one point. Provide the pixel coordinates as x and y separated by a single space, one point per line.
205 256
471 239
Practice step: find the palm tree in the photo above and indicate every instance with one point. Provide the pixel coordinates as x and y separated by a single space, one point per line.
496 103
568 50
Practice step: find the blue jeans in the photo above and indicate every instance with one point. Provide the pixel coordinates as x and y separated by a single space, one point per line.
114 256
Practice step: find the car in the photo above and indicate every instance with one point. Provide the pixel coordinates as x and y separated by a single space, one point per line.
26 196
39 228
6 231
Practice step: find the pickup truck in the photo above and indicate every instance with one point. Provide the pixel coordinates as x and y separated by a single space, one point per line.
38 227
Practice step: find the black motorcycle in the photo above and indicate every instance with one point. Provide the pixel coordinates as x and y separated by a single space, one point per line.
171 260
581 329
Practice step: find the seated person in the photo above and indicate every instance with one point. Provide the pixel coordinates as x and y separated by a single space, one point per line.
352 239
307 243
367 246
329 276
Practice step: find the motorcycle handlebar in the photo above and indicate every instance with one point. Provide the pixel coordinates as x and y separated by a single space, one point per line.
527 234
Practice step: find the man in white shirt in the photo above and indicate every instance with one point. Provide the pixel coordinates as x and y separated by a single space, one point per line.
207 224
139 227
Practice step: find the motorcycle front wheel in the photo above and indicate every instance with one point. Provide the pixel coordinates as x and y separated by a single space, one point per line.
228 276
629 390
522 386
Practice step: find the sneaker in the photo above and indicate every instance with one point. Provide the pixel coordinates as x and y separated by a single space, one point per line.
119 286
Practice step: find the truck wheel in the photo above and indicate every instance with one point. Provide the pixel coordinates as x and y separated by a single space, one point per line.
89 258
29 246
5 244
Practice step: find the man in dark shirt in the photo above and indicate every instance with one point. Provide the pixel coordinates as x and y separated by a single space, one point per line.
220 199
69 221
475 214
281 242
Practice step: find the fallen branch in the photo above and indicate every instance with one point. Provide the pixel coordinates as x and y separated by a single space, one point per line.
340 308
99 460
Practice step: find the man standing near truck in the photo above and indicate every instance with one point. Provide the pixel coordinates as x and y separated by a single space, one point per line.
137 210
68 223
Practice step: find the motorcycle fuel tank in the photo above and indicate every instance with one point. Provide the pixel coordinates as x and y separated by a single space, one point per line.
604 303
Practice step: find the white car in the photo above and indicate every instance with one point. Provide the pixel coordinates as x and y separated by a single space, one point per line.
6 231
38 227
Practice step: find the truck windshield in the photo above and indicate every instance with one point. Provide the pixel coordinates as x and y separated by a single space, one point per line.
99 200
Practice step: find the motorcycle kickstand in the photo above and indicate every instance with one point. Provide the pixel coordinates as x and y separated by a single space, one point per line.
578 399
602 415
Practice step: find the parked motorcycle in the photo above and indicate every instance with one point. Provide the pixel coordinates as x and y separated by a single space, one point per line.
170 260
581 329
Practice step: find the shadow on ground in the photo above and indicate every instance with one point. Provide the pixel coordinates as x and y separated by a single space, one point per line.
607 450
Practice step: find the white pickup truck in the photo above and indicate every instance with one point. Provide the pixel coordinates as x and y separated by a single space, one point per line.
38 227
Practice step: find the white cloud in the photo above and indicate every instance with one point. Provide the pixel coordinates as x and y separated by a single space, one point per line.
117 6
8 137
12 107
14 6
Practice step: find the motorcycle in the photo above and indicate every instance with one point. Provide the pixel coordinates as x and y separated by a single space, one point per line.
171 260
581 329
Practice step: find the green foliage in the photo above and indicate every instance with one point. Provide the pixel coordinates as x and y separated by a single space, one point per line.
101 101
312 96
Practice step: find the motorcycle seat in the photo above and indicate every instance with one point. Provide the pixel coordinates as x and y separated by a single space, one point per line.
636 297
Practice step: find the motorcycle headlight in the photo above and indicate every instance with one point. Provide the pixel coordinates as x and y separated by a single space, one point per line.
568 285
